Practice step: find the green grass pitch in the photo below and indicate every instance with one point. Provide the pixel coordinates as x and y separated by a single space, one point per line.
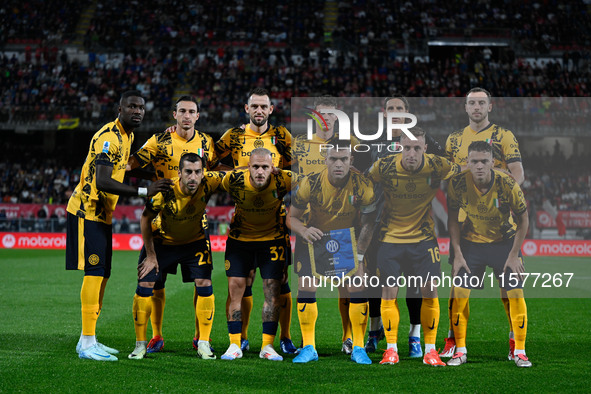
40 325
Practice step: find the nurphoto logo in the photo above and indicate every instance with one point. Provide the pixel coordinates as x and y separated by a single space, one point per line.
345 124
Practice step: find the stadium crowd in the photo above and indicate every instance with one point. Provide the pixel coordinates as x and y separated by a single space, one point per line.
536 26
56 88
211 50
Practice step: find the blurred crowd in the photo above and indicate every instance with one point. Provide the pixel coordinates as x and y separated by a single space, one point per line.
220 50
54 88
538 26
178 24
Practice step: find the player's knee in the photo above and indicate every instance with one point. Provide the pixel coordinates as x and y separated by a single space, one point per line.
236 287
429 291
202 282
144 289
205 291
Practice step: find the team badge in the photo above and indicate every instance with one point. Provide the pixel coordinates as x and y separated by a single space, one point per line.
93 259
410 186
258 202
482 208
259 143
227 264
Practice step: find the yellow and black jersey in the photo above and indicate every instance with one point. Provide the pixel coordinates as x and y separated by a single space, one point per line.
488 215
259 214
334 208
164 151
240 142
310 154
110 146
504 145
179 219
406 217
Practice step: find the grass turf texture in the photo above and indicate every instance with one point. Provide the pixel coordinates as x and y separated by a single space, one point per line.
40 326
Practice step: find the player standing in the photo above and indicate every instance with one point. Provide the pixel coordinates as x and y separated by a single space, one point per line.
257 240
89 242
238 143
507 158
488 237
400 104
163 151
310 157
335 197
408 244
173 234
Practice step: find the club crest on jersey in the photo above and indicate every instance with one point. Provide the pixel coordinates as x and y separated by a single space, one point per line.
258 202
410 186
106 146
259 143
482 208
93 259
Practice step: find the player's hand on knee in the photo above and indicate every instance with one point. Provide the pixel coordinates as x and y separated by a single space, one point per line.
161 185
312 234
459 263
146 267
514 264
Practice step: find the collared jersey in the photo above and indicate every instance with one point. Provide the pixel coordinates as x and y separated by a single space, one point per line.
179 215
333 208
488 215
406 217
164 151
110 146
259 214
310 154
239 143
503 142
